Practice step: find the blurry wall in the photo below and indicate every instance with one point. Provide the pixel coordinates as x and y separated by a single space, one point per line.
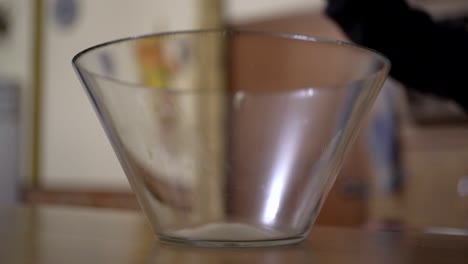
8 141
74 150
15 68
15 71
15 45
243 11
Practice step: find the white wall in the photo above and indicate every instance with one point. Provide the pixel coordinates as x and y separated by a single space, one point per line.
15 67
251 10
15 50
75 152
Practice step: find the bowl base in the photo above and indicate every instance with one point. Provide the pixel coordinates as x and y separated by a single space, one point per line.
231 244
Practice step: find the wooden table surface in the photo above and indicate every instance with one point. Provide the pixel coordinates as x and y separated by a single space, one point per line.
82 235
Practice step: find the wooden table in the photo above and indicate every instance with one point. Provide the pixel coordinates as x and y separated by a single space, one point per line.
82 235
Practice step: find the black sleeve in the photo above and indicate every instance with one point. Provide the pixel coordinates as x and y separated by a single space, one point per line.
425 55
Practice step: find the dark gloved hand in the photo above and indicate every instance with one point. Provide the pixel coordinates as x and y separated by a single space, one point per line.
426 56
364 20
349 15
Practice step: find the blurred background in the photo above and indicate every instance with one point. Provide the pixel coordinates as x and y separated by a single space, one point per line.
407 170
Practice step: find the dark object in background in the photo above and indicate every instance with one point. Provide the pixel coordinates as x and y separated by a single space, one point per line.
427 56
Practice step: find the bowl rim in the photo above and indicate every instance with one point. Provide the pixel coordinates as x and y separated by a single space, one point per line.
386 64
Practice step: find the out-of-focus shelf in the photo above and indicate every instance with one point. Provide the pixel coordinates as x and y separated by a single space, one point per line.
437 114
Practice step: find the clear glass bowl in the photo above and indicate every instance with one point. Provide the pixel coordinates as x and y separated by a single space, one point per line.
231 138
